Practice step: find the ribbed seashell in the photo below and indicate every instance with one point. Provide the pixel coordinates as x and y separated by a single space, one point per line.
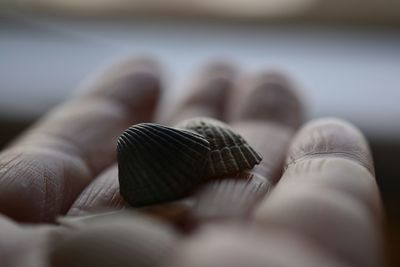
158 163
230 153
229 198
113 239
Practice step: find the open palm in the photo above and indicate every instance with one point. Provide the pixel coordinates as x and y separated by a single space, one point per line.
323 210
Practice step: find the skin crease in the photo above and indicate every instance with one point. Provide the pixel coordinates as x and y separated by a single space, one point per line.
324 211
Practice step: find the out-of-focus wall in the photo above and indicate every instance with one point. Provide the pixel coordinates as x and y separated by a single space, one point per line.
351 72
339 11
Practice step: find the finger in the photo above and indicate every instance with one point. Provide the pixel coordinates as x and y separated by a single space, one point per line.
89 123
265 109
206 95
245 245
270 97
24 245
328 193
101 194
43 172
113 239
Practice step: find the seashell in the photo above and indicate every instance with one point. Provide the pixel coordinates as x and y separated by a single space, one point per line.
229 154
230 197
158 163
113 239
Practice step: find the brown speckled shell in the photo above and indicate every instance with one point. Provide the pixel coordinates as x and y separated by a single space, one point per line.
229 154
158 163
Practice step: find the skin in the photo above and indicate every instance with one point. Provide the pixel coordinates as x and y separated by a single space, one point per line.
324 209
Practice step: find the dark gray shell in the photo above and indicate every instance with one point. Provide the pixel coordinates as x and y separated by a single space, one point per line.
229 154
229 198
158 163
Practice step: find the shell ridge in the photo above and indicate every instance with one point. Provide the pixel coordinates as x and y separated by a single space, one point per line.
143 176
169 158
242 154
191 141
217 161
230 157
217 137
230 153
186 133
174 148
141 182
226 157
165 166
194 138
229 134
257 157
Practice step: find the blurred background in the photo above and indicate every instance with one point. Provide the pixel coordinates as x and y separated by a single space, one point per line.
344 54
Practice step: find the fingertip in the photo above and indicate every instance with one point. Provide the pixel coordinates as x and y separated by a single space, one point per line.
207 93
267 96
133 82
218 68
212 84
330 137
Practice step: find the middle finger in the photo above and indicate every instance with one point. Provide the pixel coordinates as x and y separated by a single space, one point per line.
265 110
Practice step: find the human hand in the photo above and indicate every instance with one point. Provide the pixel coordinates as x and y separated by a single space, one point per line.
324 210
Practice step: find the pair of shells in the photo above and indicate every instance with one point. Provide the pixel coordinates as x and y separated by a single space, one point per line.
157 163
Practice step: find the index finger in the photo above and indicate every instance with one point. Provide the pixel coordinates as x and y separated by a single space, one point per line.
42 173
